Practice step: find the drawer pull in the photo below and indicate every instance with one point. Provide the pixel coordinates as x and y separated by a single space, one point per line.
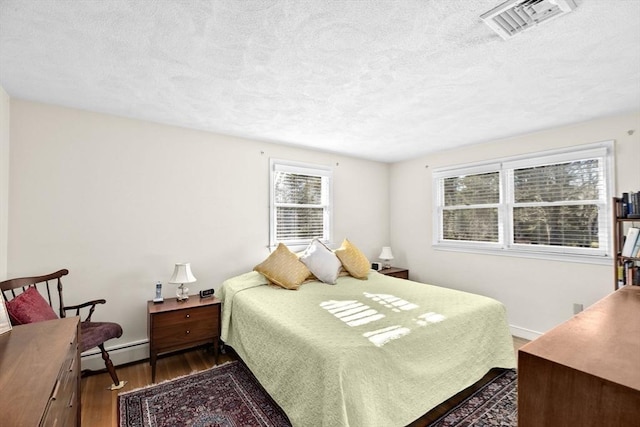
187 316
54 395
188 332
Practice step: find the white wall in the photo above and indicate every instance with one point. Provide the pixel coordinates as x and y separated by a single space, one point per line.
119 201
538 294
4 179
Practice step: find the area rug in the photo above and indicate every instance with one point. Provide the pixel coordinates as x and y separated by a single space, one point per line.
229 395
495 404
223 396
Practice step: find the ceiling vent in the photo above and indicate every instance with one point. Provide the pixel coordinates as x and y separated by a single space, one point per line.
514 16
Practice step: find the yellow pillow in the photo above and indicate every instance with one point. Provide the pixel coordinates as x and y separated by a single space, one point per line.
283 268
353 260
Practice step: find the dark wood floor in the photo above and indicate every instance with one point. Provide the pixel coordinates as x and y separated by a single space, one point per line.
100 406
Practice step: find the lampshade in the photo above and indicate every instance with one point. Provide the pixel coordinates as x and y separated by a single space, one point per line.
386 253
182 274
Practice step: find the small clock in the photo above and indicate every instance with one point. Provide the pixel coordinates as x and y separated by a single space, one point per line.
206 293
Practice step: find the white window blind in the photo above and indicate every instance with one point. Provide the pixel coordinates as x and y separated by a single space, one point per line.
300 203
551 204
471 207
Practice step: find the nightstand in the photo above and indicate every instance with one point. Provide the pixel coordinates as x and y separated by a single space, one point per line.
174 325
400 273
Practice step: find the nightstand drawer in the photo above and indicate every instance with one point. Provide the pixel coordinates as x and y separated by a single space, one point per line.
185 333
162 321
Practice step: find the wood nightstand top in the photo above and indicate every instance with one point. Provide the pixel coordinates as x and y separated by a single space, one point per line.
170 304
401 273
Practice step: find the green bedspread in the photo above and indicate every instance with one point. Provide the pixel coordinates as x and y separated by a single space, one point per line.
377 352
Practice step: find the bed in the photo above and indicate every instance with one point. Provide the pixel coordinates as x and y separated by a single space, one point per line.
375 352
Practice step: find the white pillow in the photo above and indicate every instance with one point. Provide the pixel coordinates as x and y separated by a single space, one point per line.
321 261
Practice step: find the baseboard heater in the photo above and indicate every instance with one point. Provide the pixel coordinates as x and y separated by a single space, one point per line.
125 346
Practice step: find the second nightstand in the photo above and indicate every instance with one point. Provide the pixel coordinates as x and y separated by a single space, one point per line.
174 325
400 273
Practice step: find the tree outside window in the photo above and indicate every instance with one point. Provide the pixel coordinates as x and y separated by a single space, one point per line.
551 203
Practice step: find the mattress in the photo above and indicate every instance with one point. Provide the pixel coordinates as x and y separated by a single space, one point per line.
376 352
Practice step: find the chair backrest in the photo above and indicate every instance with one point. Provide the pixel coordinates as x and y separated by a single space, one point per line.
14 287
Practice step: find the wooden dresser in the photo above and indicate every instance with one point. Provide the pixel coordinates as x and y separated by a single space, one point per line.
585 372
40 374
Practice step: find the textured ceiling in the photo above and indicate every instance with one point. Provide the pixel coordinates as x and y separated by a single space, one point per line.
382 80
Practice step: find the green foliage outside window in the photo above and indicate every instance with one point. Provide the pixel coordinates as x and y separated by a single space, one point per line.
300 212
552 205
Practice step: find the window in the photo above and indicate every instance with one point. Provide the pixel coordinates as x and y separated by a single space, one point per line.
553 204
300 203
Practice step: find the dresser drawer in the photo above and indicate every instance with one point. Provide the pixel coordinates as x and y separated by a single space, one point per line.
62 407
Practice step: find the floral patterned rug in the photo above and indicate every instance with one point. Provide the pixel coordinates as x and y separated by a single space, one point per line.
223 396
495 404
229 395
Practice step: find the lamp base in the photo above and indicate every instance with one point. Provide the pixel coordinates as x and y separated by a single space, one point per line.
182 293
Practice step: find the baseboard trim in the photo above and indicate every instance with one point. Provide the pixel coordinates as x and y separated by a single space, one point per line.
525 333
120 354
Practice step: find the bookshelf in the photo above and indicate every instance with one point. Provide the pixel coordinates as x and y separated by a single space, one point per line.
625 267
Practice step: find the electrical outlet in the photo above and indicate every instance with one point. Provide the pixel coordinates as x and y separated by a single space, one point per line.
577 308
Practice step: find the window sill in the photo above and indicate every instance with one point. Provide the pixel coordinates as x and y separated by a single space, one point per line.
584 259
300 246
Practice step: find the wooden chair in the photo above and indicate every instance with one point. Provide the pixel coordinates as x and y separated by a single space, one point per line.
92 334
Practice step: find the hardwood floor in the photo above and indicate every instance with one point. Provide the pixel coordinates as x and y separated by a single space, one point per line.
517 343
100 406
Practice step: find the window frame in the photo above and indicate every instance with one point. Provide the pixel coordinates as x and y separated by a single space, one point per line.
301 168
505 166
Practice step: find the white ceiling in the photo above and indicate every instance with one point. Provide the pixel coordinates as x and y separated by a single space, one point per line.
382 80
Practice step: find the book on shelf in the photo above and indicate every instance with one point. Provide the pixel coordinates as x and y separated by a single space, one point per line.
634 201
622 275
635 252
631 274
631 205
630 241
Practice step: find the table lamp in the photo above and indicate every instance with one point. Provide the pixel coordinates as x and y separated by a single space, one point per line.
386 255
182 274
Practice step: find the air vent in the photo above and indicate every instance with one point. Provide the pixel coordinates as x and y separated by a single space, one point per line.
514 16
